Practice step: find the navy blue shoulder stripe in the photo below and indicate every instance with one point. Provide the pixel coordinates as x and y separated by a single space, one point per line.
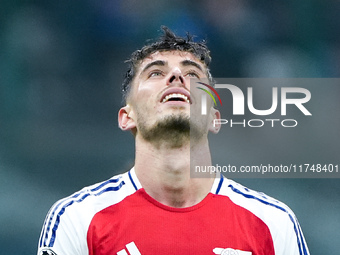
301 245
219 185
133 183
76 198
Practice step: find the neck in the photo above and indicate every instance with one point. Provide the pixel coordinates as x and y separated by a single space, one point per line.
164 172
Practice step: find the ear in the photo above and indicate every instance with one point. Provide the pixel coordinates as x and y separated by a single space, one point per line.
214 125
126 119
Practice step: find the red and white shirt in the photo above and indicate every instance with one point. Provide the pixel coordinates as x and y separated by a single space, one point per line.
117 217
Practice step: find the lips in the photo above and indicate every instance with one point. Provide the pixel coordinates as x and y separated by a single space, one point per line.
176 97
176 94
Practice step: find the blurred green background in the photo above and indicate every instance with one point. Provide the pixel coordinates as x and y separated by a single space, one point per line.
61 68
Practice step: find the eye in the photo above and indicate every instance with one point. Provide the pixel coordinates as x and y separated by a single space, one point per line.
155 73
193 74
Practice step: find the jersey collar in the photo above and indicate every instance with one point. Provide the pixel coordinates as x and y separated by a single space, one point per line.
214 189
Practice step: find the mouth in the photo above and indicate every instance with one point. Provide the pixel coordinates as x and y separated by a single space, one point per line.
176 95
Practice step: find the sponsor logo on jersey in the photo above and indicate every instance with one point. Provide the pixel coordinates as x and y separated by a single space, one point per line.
131 248
47 251
230 251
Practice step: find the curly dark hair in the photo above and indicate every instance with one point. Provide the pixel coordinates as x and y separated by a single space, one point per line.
167 42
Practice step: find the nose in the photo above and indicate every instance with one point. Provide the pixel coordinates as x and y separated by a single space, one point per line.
176 76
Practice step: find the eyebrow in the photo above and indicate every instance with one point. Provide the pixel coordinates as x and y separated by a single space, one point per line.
191 63
154 63
186 62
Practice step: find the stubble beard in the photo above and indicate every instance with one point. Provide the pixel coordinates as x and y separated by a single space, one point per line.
173 131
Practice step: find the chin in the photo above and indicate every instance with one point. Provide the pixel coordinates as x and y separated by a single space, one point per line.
172 127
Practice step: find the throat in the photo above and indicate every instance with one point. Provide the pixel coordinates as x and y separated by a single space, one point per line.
178 197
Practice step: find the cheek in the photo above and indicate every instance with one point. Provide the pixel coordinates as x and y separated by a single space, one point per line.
149 86
148 90
143 99
143 91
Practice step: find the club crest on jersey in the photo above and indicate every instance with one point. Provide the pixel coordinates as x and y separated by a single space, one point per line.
230 251
47 252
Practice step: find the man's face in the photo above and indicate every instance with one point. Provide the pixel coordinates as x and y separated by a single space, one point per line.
161 93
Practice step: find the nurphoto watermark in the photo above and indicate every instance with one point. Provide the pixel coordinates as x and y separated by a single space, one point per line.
269 127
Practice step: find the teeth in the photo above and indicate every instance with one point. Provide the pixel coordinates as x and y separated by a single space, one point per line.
174 95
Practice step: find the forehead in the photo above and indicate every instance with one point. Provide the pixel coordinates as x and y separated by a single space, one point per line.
171 57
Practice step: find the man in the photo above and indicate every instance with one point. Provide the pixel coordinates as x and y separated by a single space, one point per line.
156 207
